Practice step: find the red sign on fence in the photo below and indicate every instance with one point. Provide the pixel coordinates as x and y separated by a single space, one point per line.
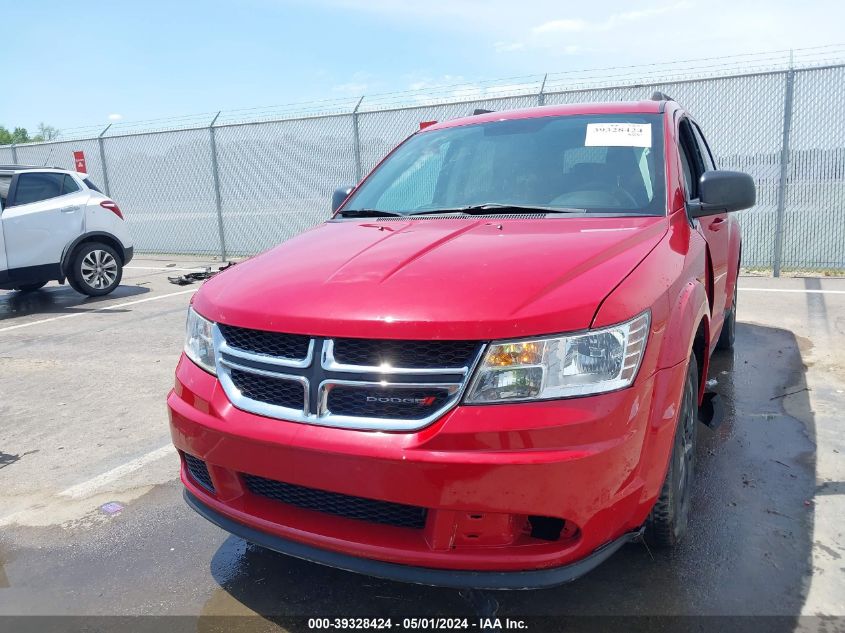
79 160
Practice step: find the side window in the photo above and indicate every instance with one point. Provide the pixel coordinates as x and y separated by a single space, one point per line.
69 185
704 149
34 187
690 158
5 183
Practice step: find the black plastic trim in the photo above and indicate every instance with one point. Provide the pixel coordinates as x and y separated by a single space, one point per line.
458 579
14 277
125 253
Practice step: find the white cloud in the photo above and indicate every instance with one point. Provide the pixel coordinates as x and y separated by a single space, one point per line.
115 117
613 21
351 87
562 26
358 84
508 47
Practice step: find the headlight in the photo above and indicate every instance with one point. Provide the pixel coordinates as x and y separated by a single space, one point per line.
563 366
199 346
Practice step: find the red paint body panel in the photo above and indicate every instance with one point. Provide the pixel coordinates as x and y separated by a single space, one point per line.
579 460
597 462
433 279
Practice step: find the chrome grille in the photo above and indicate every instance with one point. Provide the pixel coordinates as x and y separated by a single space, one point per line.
264 388
365 384
411 354
291 346
388 402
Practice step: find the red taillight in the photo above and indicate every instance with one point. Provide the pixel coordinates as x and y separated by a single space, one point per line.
111 206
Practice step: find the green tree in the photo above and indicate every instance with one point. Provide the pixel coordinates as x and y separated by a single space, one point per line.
20 135
45 133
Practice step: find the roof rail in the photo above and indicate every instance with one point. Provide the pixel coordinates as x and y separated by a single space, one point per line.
660 96
478 111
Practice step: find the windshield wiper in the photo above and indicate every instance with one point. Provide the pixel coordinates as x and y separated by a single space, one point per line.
369 213
494 207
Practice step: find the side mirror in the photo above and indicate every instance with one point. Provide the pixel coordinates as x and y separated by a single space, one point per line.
339 196
722 191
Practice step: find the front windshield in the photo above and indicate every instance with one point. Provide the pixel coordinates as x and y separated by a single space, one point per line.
596 163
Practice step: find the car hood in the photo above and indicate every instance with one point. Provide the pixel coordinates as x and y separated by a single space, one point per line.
434 278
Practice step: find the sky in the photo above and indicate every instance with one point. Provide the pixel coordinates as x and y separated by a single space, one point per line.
89 63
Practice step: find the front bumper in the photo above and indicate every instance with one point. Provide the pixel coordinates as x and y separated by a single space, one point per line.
596 463
534 579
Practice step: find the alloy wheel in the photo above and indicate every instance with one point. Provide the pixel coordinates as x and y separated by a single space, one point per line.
99 269
686 455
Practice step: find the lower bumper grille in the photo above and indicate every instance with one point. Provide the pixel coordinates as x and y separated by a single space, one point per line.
383 512
199 472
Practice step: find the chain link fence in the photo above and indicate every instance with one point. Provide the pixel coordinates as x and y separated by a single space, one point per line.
236 188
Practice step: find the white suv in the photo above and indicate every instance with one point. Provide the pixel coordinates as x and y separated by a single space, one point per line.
56 225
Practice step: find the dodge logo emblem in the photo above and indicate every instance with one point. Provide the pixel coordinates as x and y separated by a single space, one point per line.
423 402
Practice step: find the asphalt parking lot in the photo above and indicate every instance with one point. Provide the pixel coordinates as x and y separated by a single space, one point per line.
92 521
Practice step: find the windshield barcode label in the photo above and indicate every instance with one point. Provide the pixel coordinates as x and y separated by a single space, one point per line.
618 135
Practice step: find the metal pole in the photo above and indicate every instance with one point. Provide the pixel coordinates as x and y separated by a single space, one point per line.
784 166
14 154
106 187
356 141
218 201
541 96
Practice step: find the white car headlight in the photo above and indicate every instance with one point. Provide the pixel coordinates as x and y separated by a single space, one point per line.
545 368
199 346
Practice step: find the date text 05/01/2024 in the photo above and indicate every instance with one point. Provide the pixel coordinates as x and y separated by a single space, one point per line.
413 624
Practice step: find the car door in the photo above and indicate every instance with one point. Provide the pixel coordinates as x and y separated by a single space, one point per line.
714 228
5 185
45 212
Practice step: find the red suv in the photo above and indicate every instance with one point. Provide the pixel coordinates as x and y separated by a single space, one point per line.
486 368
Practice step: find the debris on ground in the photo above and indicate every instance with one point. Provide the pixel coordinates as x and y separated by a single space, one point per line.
206 273
112 508
790 393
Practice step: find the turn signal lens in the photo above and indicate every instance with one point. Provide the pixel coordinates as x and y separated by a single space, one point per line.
580 364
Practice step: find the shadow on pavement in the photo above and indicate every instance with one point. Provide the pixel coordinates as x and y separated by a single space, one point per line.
748 551
58 300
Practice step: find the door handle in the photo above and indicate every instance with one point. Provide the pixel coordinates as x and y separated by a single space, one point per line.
70 209
717 223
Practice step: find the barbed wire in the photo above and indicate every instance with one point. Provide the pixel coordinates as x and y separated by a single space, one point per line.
570 80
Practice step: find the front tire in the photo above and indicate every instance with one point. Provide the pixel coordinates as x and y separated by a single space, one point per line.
667 523
96 269
728 335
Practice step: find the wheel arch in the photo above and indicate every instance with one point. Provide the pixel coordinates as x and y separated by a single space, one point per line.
688 330
94 236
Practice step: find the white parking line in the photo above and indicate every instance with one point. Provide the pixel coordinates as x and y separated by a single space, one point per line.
810 291
197 269
85 488
106 308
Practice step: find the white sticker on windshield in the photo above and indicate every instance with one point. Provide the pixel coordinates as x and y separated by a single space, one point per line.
618 135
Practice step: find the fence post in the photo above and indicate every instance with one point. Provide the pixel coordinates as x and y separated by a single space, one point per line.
218 201
541 96
784 166
356 141
14 154
103 161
